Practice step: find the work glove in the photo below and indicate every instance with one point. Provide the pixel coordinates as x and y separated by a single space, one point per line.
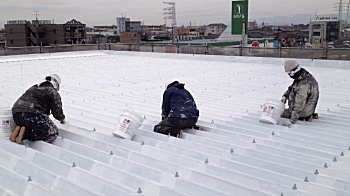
284 99
63 122
287 123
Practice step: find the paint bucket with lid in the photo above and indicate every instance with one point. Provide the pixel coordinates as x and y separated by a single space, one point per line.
272 111
129 122
7 123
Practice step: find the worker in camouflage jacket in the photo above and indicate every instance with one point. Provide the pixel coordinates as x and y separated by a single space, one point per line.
31 112
302 95
179 111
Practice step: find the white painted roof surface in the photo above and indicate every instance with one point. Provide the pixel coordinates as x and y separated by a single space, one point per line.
236 155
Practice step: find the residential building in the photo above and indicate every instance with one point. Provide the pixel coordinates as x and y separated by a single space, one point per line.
125 25
107 28
43 33
153 28
133 26
291 39
215 29
96 38
121 24
252 25
2 38
113 39
130 37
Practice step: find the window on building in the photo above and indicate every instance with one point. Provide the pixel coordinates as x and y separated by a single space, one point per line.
316 26
11 32
55 42
55 31
11 41
316 34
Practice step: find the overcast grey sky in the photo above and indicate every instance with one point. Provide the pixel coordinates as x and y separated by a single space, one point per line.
199 12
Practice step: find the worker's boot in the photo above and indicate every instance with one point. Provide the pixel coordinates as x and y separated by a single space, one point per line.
200 128
315 115
180 134
19 138
14 134
310 118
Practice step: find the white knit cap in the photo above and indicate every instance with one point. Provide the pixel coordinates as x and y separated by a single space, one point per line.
290 65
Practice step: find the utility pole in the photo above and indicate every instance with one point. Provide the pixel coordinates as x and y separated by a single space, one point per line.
36 15
340 15
169 13
347 17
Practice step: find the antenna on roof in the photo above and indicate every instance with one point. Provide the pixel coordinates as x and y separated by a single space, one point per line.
36 15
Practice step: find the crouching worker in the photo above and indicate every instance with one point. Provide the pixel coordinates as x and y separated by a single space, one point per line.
302 95
179 111
31 112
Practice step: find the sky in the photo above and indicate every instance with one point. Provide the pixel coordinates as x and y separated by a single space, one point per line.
150 12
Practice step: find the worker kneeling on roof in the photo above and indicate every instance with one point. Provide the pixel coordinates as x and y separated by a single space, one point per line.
179 111
302 95
31 111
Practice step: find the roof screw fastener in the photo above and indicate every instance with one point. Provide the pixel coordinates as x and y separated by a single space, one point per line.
144 117
335 159
206 161
327 109
111 153
306 180
260 106
139 191
231 151
74 165
325 165
273 133
338 105
295 187
176 175
29 179
349 148
253 141
341 154
212 122
316 172
281 194
142 143
247 111
94 129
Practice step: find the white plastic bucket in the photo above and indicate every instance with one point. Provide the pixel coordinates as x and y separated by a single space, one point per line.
272 111
6 120
129 122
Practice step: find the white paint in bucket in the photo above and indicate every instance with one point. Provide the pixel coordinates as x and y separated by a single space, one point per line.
272 111
6 120
129 122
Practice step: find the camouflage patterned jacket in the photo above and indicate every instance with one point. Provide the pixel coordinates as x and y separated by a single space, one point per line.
40 100
302 96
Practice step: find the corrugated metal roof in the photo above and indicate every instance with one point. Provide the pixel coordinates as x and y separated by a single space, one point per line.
236 155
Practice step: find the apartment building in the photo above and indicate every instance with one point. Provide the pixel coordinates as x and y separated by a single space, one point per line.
21 33
215 29
153 28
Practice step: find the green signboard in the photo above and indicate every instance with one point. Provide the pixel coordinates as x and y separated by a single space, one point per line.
239 18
